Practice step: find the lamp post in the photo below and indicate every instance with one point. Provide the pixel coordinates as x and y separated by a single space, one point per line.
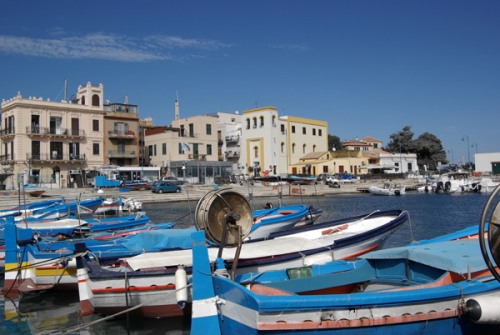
474 144
452 159
400 156
468 147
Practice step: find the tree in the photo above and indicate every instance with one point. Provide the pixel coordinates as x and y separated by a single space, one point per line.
402 141
429 150
334 142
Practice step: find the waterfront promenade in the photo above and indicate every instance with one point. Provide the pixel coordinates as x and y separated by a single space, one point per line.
10 199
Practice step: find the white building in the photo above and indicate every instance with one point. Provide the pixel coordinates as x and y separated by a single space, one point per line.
487 162
403 163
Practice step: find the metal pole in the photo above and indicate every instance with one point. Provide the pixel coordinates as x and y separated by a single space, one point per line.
468 147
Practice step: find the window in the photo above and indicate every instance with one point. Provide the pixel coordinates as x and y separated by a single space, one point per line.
95 148
293 148
154 150
304 132
95 125
274 120
314 131
256 152
375 145
180 149
304 149
191 130
150 150
293 129
314 148
319 132
209 149
255 122
282 128
95 100
164 149
248 123
209 129
262 121
282 147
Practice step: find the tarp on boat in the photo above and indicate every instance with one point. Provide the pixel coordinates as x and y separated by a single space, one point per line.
160 239
454 256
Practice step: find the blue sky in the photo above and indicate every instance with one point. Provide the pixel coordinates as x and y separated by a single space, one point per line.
369 68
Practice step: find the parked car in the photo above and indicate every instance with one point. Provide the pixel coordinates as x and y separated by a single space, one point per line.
173 180
163 186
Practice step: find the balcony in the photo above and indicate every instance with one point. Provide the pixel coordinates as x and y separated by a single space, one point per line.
55 157
198 157
7 158
220 143
121 154
7 132
232 154
122 135
63 132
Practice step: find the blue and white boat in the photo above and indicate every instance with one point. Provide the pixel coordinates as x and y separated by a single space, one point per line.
408 290
437 287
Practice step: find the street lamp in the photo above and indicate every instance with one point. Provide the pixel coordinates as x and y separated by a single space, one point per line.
468 147
474 144
452 159
400 156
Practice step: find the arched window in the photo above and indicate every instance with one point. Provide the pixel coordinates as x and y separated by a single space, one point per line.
274 120
262 121
304 149
293 148
95 100
256 152
248 123
314 148
255 122
83 100
282 147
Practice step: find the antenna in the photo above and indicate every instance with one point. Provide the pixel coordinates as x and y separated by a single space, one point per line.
65 89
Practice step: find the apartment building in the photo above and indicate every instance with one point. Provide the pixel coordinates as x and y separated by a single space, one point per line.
188 148
271 144
121 136
44 141
229 140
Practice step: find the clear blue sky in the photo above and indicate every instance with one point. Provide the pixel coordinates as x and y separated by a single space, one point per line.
369 68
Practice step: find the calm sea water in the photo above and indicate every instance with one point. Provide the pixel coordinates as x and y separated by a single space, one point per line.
431 215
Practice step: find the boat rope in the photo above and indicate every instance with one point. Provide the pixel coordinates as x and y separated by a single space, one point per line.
411 227
160 297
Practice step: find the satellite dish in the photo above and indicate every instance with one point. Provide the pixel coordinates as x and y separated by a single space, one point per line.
221 214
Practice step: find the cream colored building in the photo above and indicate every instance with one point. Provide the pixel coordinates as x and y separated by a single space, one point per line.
50 142
188 148
331 162
271 144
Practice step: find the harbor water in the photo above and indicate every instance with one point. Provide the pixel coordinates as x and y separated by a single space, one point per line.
430 215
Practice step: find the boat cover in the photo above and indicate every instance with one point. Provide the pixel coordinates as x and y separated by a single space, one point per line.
259 249
454 256
160 239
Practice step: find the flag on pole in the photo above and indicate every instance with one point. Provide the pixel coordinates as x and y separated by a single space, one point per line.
185 147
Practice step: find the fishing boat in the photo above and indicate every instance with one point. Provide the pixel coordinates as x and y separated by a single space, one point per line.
147 283
118 206
439 287
28 207
264 223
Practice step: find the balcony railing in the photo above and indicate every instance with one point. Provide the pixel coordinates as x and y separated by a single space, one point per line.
7 131
121 134
220 143
233 138
121 154
6 157
55 156
198 157
63 132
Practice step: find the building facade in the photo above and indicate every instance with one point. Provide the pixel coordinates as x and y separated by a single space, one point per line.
270 144
52 142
